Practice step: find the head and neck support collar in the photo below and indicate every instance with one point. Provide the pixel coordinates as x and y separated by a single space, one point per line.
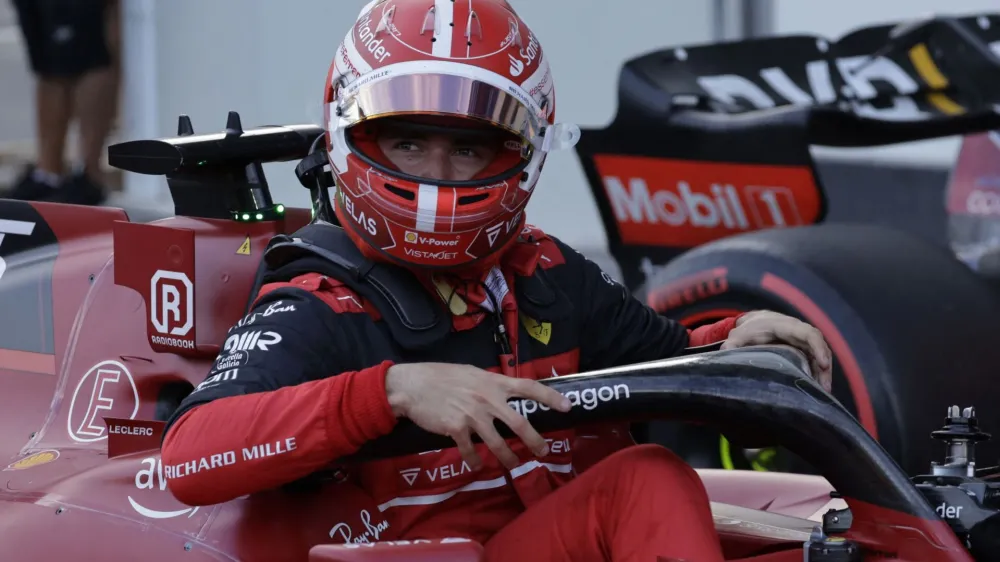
415 317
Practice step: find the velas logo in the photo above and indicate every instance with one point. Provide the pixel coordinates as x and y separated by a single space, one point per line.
365 222
107 390
664 202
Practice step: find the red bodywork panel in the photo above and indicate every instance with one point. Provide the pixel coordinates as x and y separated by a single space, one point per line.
63 496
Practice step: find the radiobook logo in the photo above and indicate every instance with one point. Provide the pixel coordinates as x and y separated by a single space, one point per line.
587 398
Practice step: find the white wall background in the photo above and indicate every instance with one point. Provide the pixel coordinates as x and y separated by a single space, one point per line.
268 59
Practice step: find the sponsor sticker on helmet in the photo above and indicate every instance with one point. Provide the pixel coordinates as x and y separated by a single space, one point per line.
412 237
368 40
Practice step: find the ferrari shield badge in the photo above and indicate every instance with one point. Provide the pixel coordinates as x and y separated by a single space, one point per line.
36 459
541 331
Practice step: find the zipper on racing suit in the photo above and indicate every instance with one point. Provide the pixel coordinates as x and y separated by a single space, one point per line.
507 363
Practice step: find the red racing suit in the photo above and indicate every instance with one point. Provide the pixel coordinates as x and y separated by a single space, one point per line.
300 383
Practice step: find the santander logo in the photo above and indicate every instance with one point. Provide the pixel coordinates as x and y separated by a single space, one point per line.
663 202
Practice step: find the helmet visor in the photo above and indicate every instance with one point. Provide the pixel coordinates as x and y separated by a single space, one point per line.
390 92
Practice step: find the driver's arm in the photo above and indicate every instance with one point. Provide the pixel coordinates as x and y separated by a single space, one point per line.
294 398
618 329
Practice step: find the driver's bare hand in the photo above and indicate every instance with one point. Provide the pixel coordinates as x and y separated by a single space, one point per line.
459 400
762 327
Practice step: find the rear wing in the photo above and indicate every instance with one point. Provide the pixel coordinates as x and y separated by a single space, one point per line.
221 175
713 140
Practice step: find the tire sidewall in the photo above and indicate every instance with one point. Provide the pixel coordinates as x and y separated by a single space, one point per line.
698 286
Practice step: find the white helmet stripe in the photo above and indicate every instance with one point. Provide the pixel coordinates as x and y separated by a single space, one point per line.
444 12
427 204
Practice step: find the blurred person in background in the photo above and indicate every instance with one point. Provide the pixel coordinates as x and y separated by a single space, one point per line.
73 48
973 204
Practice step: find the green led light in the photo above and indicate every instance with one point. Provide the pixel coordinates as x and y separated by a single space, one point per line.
260 216
246 217
281 209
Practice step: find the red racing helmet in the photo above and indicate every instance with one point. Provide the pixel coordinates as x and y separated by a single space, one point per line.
466 66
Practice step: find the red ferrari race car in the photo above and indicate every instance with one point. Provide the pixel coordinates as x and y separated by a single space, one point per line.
110 323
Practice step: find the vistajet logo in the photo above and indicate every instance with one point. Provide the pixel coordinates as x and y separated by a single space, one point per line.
588 399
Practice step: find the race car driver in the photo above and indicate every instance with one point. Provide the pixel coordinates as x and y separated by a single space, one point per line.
440 117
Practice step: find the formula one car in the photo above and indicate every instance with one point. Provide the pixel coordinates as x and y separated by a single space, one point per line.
707 164
110 323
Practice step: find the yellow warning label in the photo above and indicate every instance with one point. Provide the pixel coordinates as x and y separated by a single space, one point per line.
36 459
541 331
244 248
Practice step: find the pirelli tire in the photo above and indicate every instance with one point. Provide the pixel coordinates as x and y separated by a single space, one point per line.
912 329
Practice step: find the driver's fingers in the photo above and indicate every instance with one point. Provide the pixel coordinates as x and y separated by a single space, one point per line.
522 428
492 439
538 392
811 341
824 375
748 338
826 379
467 449
818 347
